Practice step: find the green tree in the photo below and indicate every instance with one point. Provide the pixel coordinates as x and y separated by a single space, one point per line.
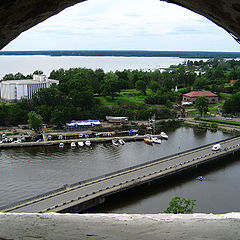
232 105
60 117
45 111
17 114
38 72
110 85
201 104
35 120
141 86
180 205
153 85
3 113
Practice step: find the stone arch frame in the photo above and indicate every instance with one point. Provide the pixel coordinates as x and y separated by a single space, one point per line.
18 16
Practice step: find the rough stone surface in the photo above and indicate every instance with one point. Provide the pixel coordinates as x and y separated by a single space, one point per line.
119 226
16 16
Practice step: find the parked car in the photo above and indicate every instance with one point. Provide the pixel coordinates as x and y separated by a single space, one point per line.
181 119
228 118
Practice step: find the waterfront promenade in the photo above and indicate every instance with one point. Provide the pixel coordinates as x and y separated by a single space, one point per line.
83 195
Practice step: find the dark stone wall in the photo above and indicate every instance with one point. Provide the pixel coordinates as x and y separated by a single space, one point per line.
225 13
16 16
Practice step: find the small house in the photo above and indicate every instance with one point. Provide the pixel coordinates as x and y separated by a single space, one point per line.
192 96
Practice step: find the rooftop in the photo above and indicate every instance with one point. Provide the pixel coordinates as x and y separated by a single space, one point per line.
196 94
27 81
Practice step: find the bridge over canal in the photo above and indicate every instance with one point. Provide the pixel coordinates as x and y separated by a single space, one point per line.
83 195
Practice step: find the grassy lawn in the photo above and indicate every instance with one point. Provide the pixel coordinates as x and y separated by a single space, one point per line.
220 121
225 95
126 97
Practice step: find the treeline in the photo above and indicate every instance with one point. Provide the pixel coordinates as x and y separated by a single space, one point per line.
79 89
128 53
74 98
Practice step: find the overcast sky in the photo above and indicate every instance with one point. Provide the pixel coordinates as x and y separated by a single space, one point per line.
126 25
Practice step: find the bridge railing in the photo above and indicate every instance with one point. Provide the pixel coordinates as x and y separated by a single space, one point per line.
64 187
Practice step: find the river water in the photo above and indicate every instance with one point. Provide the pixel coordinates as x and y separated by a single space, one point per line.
26 172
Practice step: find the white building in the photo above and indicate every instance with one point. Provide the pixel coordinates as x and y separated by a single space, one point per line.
14 90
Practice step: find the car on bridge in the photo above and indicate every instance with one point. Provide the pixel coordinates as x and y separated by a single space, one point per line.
216 147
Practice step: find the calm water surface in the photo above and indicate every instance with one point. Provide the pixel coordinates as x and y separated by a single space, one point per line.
28 64
26 172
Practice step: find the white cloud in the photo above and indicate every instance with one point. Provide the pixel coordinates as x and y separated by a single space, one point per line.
125 24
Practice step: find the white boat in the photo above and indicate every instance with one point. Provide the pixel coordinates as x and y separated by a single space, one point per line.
121 141
61 145
156 140
88 143
73 144
115 142
80 144
164 135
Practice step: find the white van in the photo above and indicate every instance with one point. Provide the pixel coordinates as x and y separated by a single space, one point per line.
216 147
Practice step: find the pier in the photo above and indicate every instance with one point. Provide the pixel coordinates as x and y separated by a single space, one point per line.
86 194
69 141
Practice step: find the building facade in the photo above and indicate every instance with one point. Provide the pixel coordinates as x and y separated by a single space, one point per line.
192 96
14 90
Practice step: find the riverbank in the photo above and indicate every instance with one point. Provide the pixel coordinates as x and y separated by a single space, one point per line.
213 126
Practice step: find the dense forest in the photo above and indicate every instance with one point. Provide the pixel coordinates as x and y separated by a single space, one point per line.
92 94
128 53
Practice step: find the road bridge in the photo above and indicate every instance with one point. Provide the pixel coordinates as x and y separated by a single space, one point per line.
83 195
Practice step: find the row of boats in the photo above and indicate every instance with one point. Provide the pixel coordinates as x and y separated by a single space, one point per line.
150 140
74 144
115 142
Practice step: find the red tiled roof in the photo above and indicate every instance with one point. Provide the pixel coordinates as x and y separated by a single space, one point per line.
197 94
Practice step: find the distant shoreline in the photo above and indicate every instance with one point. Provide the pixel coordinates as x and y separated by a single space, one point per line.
126 53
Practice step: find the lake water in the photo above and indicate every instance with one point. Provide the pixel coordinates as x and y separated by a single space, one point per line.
26 172
28 64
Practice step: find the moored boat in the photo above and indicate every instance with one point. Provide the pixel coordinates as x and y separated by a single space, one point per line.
80 144
61 145
148 141
73 144
200 178
115 142
164 135
87 143
121 141
156 140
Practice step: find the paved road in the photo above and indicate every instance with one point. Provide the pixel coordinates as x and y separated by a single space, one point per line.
124 179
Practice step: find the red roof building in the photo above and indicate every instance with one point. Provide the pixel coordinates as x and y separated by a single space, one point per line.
192 96
233 81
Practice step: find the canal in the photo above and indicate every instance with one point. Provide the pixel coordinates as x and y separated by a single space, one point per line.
26 172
